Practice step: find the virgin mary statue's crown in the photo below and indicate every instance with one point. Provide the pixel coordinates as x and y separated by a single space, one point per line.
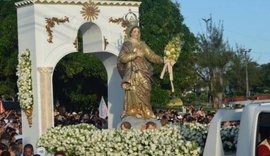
131 18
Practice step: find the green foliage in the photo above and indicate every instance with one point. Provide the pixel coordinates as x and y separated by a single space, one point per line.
203 96
265 70
160 21
190 97
159 27
213 59
255 77
79 81
8 48
160 96
264 86
236 76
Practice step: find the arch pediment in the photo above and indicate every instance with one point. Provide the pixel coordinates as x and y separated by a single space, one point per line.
79 2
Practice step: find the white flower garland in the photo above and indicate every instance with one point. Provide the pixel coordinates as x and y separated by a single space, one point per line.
24 81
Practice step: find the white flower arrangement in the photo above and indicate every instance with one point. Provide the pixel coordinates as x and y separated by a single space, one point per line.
24 81
195 131
198 132
84 139
229 137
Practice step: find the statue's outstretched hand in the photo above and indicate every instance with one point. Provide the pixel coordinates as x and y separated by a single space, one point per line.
165 60
171 62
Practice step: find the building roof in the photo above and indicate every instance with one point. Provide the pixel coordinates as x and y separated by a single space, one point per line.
77 2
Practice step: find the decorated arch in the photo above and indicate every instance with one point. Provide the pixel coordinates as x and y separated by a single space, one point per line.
47 30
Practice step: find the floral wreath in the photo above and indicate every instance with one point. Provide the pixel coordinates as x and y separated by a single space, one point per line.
24 84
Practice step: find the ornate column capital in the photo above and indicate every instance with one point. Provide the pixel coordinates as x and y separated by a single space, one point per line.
45 69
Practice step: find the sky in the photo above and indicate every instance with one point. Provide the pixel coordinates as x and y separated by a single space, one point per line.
245 22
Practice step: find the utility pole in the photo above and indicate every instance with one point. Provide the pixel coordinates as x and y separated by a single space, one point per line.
246 64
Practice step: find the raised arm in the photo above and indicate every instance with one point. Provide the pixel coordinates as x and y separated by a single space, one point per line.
151 56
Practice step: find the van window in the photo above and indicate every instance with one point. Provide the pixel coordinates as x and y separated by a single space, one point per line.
229 134
263 132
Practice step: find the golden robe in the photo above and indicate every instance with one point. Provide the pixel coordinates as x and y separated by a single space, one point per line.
137 78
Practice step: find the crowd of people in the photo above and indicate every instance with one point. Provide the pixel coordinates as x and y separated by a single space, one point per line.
72 118
168 116
190 114
10 133
11 137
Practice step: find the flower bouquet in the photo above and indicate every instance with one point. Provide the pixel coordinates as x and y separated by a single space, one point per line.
24 84
171 53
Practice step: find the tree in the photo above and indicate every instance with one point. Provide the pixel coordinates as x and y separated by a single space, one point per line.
79 81
264 86
255 77
158 28
237 75
8 49
213 60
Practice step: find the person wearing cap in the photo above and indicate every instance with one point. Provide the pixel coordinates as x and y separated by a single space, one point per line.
41 151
